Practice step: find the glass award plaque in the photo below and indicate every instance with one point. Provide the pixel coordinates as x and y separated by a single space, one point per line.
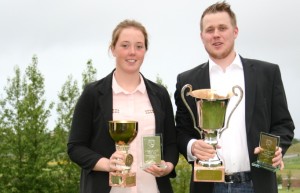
152 150
268 144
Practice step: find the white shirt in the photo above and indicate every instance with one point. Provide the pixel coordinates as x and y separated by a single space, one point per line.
233 141
135 106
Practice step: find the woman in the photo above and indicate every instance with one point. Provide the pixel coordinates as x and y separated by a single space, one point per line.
124 94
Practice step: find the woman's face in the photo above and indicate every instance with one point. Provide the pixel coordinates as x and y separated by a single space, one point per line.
129 50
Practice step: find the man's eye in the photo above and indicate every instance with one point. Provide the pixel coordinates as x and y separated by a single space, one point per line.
210 30
223 28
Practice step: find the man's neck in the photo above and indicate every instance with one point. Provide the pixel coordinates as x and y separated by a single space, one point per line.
226 61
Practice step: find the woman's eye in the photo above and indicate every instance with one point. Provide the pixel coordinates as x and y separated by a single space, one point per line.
139 47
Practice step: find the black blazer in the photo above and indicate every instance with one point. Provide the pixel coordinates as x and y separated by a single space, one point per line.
89 138
266 110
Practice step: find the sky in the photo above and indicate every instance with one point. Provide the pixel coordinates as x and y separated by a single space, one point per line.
65 34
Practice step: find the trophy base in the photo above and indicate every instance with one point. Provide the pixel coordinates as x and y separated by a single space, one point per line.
269 167
210 163
122 180
208 174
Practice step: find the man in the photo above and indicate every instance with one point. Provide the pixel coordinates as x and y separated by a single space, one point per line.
262 109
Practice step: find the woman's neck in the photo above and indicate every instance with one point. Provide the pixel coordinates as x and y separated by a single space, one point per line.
127 81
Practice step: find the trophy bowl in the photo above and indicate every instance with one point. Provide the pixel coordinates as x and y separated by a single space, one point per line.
211 108
123 132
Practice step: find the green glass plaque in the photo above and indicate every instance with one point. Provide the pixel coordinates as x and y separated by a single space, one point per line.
268 144
152 150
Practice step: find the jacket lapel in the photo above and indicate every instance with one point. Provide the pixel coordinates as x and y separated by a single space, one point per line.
105 97
250 90
155 102
203 82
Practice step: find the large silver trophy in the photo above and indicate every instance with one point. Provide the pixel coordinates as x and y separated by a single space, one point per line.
211 109
123 133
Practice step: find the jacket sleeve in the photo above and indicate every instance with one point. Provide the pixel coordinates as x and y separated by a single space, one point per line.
171 153
281 120
81 131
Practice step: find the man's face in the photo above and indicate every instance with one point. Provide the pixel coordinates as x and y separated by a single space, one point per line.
218 35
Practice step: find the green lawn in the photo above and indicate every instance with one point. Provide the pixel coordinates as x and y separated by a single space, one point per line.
292 166
292 190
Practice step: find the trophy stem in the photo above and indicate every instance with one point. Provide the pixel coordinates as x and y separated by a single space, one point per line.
122 148
128 158
211 138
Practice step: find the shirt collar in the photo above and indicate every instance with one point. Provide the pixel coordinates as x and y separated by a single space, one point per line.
236 63
118 89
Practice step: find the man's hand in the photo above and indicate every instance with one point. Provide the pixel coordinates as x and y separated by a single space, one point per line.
202 150
277 160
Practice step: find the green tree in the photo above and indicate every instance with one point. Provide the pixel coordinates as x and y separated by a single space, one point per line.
24 118
279 179
89 74
10 133
160 81
67 172
289 178
181 184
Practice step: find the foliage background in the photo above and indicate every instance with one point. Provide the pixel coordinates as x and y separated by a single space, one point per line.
33 157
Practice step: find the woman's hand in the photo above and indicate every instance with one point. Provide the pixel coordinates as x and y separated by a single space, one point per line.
116 161
113 164
158 171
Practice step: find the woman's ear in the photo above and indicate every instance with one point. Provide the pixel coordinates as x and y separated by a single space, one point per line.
113 51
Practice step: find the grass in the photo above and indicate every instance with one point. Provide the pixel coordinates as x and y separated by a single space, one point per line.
292 164
294 149
292 190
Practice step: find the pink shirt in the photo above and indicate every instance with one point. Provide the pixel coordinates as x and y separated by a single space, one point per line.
135 106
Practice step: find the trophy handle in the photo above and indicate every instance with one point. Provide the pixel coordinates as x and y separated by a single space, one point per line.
237 104
188 107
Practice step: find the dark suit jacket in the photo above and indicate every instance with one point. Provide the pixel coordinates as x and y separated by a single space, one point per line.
89 138
266 110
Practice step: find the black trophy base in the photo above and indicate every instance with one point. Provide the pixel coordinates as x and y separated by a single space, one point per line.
265 166
122 180
208 174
